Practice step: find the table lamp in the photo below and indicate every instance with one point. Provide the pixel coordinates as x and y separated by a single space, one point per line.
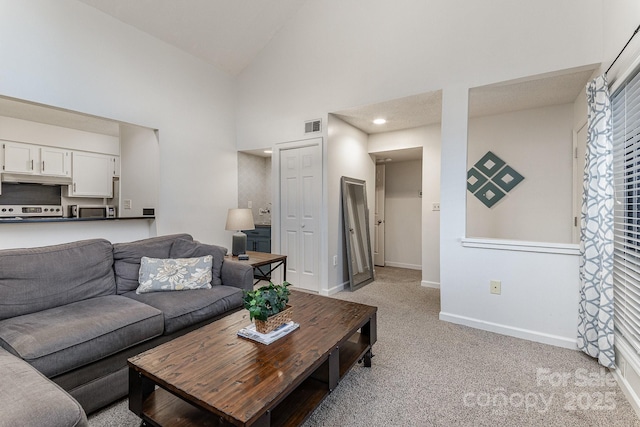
238 220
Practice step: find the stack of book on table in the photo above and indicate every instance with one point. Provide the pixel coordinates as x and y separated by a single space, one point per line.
251 333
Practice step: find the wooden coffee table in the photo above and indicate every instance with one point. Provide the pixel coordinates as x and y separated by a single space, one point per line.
212 377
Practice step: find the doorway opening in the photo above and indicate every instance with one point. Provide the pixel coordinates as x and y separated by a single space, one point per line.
397 237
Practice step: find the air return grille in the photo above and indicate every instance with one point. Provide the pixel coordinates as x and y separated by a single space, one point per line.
313 126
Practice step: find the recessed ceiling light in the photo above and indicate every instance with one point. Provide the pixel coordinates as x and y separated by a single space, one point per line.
379 121
268 151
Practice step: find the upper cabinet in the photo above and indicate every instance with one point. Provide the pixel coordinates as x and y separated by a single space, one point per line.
19 158
55 162
92 175
34 160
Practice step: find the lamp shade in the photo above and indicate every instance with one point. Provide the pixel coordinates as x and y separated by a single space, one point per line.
240 219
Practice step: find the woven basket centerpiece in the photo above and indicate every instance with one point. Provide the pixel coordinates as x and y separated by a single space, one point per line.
273 322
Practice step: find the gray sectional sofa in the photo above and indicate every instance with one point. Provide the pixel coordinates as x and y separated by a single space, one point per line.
71 311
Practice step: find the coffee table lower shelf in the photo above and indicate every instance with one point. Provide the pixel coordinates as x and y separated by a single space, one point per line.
162 408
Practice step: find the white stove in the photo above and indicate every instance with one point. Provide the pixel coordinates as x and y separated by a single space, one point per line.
30 211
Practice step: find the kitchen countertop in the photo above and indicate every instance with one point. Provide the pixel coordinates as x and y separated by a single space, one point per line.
27 220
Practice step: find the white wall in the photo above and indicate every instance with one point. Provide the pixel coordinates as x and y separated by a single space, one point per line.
539 289
338 54
403 214
620 21
347 155
29 132
139 170
72 56
52 233
537 143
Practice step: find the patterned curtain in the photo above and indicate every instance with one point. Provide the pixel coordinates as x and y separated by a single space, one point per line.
595 326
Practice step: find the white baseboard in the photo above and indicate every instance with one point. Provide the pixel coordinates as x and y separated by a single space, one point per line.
338 288
428 284
526 334
627 374
402 265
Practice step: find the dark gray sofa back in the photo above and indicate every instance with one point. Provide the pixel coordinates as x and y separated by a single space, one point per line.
126 257
35 279
183 248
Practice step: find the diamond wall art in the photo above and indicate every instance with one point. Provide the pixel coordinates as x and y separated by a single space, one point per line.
490 179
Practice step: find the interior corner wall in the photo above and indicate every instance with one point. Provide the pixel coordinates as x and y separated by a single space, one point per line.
347 155
70 55
537 143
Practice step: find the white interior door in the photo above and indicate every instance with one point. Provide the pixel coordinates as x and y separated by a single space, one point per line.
300 199
378 229
579 151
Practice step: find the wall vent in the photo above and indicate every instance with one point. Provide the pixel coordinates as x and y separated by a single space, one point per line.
313 126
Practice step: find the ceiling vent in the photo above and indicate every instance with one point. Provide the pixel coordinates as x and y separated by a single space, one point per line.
313 126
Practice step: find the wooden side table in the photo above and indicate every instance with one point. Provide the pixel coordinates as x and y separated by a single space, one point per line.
260 260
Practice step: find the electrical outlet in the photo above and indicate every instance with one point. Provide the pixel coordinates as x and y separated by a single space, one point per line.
495 287
436 206
127 203
335 260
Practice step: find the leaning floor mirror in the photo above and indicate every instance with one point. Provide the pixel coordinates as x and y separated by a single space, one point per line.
356 232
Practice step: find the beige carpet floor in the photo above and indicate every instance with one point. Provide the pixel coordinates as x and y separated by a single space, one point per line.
432 373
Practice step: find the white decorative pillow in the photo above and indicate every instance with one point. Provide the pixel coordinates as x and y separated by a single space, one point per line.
174 274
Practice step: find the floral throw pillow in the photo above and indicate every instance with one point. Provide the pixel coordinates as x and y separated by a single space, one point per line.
178 274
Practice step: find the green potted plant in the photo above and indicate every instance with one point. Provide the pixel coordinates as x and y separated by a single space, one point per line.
268 306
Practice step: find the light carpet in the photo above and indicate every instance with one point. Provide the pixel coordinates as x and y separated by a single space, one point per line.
427 372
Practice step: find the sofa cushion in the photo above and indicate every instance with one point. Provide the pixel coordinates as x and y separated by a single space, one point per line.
183 309
63 338
36 279
127 256
183 248
174 274
27 398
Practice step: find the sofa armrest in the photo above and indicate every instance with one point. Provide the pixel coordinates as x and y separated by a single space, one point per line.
237 274
28 398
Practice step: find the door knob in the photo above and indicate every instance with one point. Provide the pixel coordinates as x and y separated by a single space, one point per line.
380 221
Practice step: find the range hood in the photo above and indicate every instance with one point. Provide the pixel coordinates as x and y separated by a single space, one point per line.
35 179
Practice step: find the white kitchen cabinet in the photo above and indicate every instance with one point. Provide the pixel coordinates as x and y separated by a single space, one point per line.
116 165
19 158
35 160
55 162
92 175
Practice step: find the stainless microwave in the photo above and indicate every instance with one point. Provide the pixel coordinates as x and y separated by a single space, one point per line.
92 211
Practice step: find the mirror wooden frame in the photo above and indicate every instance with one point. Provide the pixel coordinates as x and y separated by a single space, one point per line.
355 217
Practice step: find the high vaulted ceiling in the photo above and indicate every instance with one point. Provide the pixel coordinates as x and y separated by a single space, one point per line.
226 33
231 33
